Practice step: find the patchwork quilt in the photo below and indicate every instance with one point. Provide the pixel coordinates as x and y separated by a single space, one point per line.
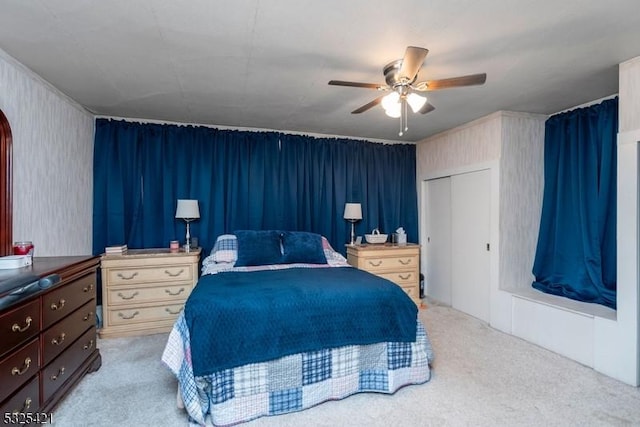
295 382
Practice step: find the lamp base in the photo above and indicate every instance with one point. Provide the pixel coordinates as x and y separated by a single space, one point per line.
352 242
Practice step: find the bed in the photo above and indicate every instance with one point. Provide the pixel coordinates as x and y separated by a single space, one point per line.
279 322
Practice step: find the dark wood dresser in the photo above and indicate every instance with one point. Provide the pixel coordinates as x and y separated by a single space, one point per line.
47 335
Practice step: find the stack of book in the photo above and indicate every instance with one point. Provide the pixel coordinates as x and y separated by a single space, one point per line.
115 250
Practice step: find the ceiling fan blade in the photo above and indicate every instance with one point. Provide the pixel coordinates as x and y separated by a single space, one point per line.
357 84
427 108
371 104
470 80
411 63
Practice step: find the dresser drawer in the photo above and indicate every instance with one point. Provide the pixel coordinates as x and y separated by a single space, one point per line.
25 400
19 325
62 301
64 333
152 274
64 366
374 264
401 277
125 295
144 314
17 368
412 291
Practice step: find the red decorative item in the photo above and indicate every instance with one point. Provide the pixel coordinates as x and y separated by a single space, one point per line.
23 248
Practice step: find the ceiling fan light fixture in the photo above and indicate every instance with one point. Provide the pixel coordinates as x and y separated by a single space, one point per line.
391 101
394 110
416 102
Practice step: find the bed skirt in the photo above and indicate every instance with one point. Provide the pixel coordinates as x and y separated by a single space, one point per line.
296 382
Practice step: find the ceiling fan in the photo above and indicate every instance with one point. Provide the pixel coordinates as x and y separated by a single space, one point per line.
400 76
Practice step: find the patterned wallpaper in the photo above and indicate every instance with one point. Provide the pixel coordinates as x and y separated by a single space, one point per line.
521 185
52 163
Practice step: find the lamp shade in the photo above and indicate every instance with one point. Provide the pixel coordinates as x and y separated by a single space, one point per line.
187 209
352 211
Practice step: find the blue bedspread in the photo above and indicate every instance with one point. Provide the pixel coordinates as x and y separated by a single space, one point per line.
236 318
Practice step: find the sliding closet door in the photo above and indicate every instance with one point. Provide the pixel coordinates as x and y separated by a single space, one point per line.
470 232
438 240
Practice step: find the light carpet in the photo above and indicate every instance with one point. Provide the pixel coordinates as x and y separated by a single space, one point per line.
481 377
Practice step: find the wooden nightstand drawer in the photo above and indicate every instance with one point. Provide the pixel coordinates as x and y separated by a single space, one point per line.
401 277
155 274
126 316
144 290
135 295
374 264
397 263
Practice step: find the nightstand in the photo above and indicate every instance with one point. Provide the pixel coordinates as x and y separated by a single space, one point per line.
398 263
144 290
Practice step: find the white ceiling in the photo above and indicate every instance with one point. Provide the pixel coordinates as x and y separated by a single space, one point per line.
266 64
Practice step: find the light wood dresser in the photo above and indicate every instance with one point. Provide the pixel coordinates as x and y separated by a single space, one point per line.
398 263
47 335
144 290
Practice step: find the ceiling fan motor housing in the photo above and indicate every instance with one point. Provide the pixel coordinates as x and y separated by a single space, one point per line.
391 71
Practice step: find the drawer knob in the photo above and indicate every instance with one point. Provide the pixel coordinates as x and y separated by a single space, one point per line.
88 288
375 264
59 340
58 375
58 305
181 290
168 273
132 296
88 316
168 310
25 407
123 277
404 262
89 345
403 277
135 313
18 371
17 328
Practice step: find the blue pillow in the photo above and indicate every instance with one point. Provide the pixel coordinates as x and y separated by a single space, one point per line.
258 247
302 247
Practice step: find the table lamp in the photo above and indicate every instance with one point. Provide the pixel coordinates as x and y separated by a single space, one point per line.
353 214
188 211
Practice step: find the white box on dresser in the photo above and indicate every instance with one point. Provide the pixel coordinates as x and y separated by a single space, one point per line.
144 290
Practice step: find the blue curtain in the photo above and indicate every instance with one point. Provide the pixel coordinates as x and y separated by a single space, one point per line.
576 252
243 180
